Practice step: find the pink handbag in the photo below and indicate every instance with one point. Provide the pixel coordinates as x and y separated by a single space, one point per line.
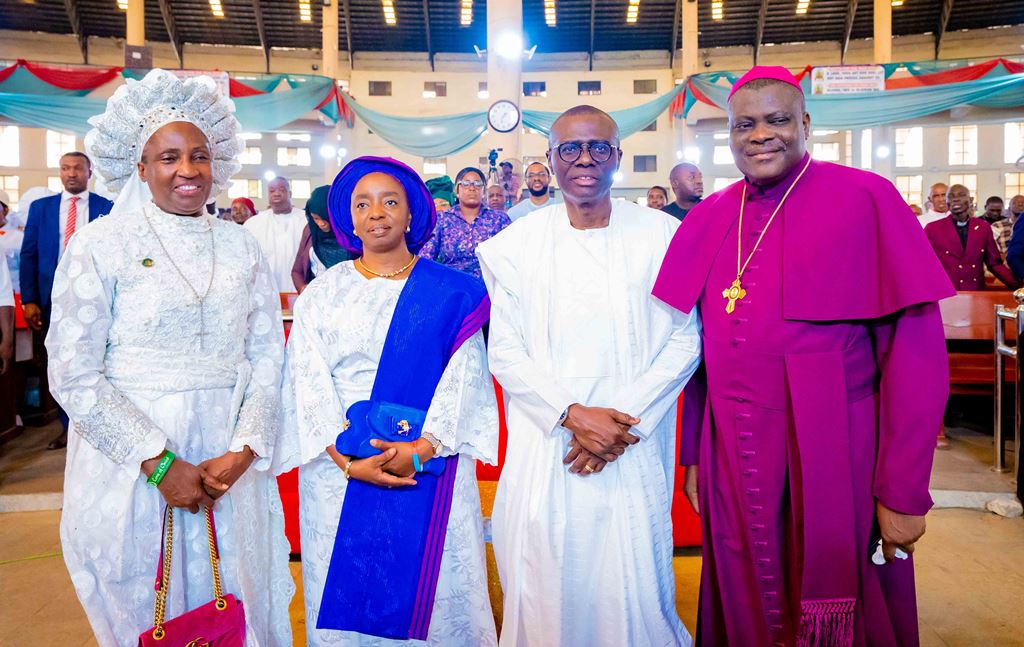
218 623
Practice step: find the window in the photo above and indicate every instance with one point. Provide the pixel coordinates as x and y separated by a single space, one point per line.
588 88
645 86
865 149
535 89
9 148
645 163
9 183
963 145
433 89
651 127
380 88
241 188
722 155
1014 184
969 180
826 151
435 166
54 184
1013 142
293 157
909 187
294 137
722 182
848 145
251 155
481 90
910 146
251 136
301 189
56 145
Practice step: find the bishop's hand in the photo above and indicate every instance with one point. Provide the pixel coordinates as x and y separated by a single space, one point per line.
898 530
601 431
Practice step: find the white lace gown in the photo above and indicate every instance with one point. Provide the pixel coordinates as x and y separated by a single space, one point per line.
128 365
341 321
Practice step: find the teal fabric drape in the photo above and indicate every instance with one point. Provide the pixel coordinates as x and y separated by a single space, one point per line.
424 136
843 111
24 82
630 120
263 112
63 113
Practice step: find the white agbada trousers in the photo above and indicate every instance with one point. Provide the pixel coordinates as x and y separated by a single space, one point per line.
279 236
586 560
125 362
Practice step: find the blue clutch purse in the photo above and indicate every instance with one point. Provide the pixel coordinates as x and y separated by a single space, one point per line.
367 420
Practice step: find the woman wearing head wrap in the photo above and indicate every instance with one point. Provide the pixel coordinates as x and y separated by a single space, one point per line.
166 348
319 249
461 229
242 209
387 349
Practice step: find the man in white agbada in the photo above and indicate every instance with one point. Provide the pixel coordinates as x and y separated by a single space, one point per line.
167 336
279 230
592 366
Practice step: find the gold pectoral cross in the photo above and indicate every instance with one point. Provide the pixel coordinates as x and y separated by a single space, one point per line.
733 293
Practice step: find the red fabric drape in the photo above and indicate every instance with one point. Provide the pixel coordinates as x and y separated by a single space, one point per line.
238 89
7 72
698 95
955 75
72 79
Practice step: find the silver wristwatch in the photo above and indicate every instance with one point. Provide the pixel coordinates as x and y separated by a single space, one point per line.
434 442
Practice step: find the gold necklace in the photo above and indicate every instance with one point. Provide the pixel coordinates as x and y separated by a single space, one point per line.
386 275
735 292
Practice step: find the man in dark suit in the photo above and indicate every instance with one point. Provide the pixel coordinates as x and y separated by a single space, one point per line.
966 246
51 223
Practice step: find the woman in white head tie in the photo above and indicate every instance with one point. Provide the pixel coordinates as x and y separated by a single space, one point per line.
167 343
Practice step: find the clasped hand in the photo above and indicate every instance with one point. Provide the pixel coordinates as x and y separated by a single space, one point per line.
393 467
193 486
599 436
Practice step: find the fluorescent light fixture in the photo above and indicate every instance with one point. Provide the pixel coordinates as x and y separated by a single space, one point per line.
217 8
679 155
269 175
327 151
692 154
342 153
466 17
632 11
508 44
802 6
721 135
897 3
305 11
389 12
122 5
429 94
882 152
483 94
717 9
618 176
823 133
549 13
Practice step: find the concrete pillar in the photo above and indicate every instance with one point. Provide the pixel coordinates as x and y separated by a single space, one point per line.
504 76
883 32
689 64
135 31
329 67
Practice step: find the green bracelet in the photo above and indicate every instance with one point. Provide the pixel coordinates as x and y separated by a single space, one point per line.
161 469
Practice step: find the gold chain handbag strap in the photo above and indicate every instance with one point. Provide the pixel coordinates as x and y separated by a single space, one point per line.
164 570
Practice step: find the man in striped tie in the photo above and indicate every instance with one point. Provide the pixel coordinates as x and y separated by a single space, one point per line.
51 223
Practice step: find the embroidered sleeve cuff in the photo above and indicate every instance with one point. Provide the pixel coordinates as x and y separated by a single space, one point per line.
121 432
257 428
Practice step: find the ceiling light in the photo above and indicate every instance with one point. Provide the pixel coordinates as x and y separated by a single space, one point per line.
305 11
429 94
389 12
509 45
717 9
692 154
269 175
802 6
327 151
467 13
897 3
618 176
217 8
122 5
882 152
632 11
549 13
483 94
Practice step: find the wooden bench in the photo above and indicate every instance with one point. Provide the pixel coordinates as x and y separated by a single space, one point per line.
969 323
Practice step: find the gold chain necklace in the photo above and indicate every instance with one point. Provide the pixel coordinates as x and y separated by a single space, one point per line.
735 292
386 275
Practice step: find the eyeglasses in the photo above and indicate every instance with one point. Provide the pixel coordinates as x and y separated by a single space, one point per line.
599 151
471 184
537 176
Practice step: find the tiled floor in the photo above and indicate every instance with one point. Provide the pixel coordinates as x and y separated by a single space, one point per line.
970 565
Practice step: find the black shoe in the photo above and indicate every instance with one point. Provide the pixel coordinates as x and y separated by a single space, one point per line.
60 442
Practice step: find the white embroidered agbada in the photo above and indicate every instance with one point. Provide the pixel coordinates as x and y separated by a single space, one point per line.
279 236
335 345
586 560
126 364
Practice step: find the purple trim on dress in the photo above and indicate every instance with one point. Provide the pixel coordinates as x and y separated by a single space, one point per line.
423 606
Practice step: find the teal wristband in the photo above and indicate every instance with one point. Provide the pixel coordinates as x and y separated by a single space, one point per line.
161 469
416 464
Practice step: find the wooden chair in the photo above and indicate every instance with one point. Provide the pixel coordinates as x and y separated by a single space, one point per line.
969 323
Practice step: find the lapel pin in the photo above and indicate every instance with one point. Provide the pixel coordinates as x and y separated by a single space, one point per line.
147 262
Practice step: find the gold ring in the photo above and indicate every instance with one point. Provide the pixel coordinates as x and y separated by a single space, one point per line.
589 468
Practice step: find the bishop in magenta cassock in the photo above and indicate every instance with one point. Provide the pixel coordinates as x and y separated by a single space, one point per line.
826 378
